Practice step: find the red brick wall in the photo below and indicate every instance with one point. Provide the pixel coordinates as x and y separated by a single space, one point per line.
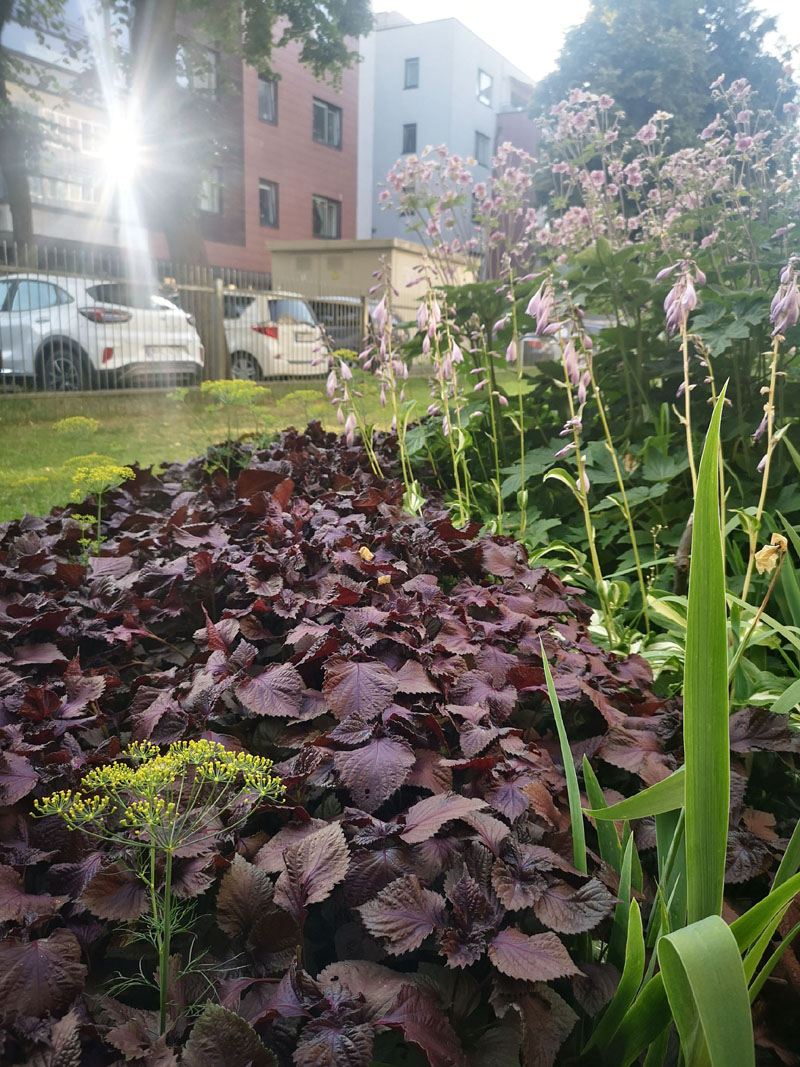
287 154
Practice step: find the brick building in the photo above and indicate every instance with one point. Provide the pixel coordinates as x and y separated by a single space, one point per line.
280 163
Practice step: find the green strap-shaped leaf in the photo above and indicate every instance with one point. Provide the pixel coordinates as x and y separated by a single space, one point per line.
573 791
628 984
645 1021
705 984
705 694
607 839
771 963
666 795
619 931
787 700
750 926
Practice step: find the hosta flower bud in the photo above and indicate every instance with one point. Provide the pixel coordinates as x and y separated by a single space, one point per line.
345 371
511 352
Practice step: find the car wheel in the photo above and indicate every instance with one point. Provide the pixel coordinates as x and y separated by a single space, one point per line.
244 367
65 369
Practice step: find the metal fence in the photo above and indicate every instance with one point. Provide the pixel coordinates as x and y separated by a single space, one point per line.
81 320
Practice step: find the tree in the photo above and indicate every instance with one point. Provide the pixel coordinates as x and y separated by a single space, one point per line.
655 55
19 136
173 123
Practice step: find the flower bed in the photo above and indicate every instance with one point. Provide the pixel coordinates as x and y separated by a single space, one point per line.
415 894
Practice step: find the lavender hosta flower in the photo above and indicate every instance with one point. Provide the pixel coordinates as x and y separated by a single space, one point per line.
570 425
350 430
331 384
511 352
762 463
564 451
583 386
456 354
681 300
502 400
540 305
758 433
426 345
422 317
380 315
785 308
571 362
479 385
344 370
582 483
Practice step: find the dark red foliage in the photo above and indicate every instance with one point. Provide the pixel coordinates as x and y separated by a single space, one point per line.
426 821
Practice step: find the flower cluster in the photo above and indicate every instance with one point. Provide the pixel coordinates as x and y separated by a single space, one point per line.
785 307
234 392
98 477
160 794
76 424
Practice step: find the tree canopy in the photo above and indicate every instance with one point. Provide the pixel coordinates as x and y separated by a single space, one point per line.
655 55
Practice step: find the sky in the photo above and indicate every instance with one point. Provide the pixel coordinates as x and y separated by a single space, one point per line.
530 33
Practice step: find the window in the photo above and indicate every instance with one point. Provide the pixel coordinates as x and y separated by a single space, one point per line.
205 75
327 124
30 296
327 217
234 306
409 138
210 198
482 148
267 99
485 88
267 202
291 313
411 78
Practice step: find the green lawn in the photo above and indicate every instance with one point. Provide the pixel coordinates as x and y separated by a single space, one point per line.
147 427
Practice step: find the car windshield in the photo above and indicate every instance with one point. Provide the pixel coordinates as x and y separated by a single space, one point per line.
291 311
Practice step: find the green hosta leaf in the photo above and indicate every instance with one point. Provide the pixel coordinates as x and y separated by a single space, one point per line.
705 984
705 694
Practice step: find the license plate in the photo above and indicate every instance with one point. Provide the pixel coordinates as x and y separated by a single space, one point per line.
302 338
165 351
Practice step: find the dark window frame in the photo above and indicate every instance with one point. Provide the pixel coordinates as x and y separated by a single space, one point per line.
407 83
216 183
265 79
409 138
331 110
485 140
484 91
275 187
327 201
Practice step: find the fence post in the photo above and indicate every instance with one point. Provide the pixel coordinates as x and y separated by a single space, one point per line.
366 335
220 363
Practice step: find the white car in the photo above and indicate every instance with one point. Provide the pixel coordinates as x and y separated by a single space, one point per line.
70 333
272 335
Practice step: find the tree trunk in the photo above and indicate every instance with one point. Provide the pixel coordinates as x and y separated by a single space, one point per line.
172 141
13 160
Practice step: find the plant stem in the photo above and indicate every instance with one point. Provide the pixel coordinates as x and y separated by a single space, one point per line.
765 475
166 934
687 405
625 505
523 511
493 418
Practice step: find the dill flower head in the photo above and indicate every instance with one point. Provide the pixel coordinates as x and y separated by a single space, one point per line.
76 424
234 392
96 478
164 798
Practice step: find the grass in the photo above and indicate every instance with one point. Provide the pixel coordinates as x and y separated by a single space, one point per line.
145 427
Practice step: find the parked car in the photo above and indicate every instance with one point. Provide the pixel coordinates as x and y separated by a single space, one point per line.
272 335
537 349
72 333
343 319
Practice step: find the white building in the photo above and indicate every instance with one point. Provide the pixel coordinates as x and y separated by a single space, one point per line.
431 83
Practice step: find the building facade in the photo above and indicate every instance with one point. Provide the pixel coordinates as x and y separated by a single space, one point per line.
431 83
279 162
